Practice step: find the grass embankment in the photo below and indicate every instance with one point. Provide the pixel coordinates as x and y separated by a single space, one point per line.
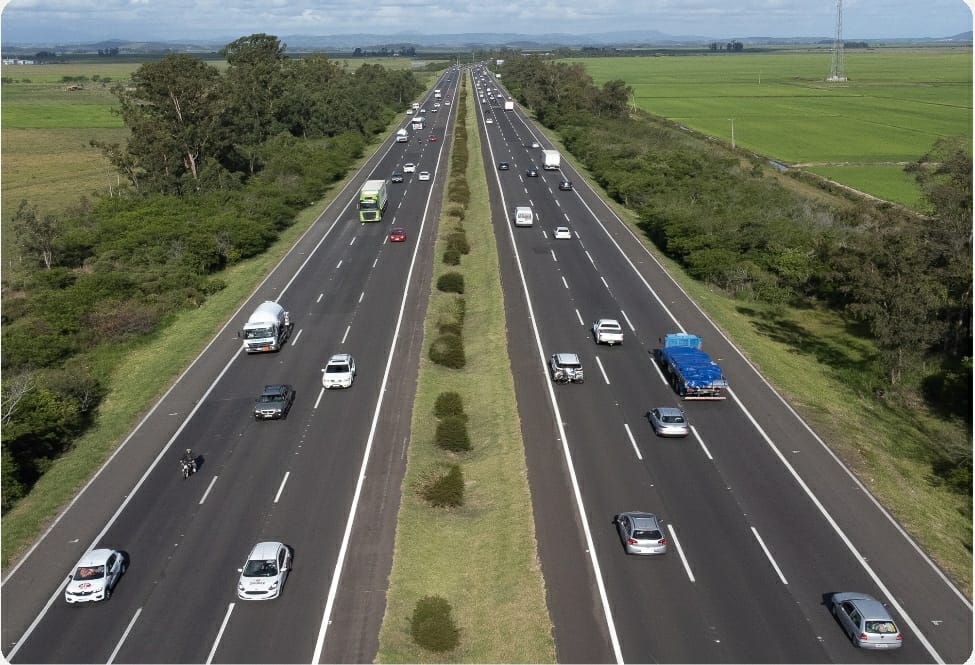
480 557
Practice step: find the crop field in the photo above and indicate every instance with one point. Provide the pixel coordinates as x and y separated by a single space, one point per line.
897 103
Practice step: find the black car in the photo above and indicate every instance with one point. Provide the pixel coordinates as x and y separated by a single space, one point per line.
502 166
396 177
274 402
566 185
532 172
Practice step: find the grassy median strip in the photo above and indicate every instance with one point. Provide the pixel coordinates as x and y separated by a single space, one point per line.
481 556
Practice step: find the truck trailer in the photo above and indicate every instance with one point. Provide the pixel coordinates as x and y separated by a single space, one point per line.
689 370
372 201
267 328
509 105
552 160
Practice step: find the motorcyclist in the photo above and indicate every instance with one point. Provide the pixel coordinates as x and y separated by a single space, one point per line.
188 461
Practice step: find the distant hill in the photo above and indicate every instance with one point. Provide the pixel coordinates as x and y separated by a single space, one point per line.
465 41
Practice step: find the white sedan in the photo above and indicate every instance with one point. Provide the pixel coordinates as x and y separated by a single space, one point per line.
490 121
95 576
423 175
563 233
409 167
264 572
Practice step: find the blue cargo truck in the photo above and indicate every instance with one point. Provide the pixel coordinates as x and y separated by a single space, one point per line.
690 371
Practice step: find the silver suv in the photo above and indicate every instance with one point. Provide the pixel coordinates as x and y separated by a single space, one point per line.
566 368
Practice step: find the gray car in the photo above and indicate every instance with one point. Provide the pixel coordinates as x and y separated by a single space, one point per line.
865 620
669 421
640 533
274 402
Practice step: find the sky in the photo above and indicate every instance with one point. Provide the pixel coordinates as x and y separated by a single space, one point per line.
72 21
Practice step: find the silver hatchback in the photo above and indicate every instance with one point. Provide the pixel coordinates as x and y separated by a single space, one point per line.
640 533
866 621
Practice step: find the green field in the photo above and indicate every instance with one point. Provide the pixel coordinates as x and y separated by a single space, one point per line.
897 103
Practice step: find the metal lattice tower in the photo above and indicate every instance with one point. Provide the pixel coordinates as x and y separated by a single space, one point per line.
836 71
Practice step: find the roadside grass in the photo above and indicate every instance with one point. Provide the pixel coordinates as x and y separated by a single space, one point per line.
481 557
897 103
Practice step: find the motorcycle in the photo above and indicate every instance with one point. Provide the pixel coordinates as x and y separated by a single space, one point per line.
188 465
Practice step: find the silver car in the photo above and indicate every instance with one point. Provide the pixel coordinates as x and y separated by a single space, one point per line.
640 533
866 621
669 421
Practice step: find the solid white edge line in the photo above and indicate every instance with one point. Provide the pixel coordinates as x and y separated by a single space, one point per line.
284 481
778 571
347 535
680 552
701 441
128 629
603 370
223 627
576 490
342 209
207 492
633 441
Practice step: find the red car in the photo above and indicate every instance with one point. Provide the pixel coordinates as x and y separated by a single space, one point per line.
431 138
397 235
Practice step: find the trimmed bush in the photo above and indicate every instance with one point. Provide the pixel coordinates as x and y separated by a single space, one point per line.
447 491
456 210
451 257
452 434
451 282
449 404
458 241
448 350
431 625
451 328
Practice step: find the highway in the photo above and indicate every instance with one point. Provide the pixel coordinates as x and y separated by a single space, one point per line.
325 480
763 522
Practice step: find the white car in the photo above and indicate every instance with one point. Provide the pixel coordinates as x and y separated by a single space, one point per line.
563 232
95 576
535 144
339 371
409 167
264 572
490 121
423 175
607 331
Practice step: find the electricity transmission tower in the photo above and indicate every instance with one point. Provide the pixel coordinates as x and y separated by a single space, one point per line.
836 73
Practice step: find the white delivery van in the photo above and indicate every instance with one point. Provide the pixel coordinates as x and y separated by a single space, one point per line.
524 216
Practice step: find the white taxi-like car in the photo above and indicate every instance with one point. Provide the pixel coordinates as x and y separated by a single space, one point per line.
423 175
95 576
264 572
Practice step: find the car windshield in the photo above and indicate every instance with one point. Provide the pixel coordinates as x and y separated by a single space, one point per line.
337 369
90 573
882 627
259 568
652 534
257 333
571 365
277 397
674 420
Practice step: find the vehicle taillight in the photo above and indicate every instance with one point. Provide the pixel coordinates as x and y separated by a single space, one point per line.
899 637
662 541
863 637
631 541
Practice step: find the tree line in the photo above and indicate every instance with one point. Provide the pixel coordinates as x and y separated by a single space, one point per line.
217 164
902 280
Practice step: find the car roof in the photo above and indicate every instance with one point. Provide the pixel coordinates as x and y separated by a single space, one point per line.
611 321
264 551
95 557
669 411
870 608
275 388
642 519
567 357
341 357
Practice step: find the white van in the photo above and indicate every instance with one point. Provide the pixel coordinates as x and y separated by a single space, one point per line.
524 216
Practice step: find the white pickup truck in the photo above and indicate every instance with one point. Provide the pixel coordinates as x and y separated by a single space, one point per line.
607 331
